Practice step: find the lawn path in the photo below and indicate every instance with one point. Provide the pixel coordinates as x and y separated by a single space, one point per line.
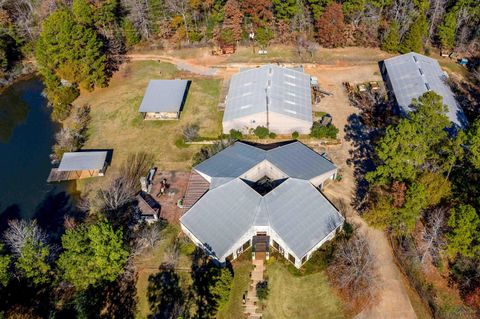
181 64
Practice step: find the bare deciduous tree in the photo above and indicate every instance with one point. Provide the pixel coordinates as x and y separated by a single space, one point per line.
433 241
172 253
190 132
180 7
146 238
19 231
117 194
136 166
353 270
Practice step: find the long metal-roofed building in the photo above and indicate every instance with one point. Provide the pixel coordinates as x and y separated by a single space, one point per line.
164 99
411 75
261 198
271 96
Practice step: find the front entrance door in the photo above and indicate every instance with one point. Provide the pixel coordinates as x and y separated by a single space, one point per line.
260 246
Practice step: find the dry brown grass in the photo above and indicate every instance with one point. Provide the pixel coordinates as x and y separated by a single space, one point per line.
117 124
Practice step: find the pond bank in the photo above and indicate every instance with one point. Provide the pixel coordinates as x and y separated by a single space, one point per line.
26 138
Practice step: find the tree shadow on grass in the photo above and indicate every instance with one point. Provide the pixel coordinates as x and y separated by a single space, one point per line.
164 293
361 157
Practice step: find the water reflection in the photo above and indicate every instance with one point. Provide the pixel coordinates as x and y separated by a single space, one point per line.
13 111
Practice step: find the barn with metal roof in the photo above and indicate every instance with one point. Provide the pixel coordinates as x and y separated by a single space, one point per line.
411 75
261 192
164 99
271 96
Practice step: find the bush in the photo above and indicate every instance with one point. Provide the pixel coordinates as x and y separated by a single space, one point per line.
262 290
190 132
180 143
261 132
295 135
272 135
320 131
236 134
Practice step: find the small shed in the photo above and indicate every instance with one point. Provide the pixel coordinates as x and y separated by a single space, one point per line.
164 99
79 165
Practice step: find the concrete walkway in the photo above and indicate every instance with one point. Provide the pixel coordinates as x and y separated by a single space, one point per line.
251 307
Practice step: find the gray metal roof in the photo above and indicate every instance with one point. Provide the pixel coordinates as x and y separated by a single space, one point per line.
78 161
164 96
286 91
413 74
232 161
299 161
294 159
295 209
222 216
301 215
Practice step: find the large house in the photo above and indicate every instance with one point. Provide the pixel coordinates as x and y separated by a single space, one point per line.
262 196
271 96
411 75
164 99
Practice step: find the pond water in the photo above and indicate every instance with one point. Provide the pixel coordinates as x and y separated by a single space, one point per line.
26 139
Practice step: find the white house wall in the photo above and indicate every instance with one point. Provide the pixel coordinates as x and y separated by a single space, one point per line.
264 168
283 124
244 124
320 179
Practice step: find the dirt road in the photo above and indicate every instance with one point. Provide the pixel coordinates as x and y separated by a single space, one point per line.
394 301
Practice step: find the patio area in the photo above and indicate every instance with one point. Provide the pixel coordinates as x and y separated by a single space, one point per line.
176 186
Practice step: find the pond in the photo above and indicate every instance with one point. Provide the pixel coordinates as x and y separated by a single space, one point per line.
26 139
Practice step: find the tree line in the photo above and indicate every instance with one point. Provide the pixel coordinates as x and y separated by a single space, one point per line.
424 191
79 43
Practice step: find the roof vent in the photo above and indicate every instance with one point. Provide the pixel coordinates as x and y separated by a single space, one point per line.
427 86
421 71
415 59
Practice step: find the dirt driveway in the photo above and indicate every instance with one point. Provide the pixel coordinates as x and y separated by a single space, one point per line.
394 302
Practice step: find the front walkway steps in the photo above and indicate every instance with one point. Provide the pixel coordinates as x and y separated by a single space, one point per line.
251 303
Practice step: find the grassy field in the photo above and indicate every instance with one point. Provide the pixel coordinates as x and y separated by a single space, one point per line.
234 307
148 264
299 296
117 124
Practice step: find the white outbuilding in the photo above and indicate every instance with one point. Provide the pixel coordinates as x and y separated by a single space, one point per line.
275 97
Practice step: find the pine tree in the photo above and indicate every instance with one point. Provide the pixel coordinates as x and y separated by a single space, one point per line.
318 7
446 31
413 39
391 42
464 237
285 9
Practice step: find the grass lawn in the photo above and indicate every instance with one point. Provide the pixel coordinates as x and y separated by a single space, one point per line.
234 307
299 296
116 123
148 264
